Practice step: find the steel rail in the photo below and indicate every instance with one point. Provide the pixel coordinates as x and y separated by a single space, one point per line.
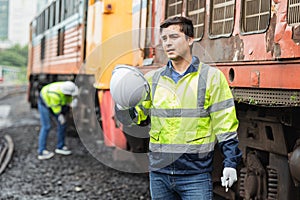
6 156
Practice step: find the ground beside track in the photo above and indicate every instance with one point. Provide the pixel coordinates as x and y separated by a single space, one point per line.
78 176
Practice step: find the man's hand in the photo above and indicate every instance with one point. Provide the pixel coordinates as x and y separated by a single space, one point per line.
74 103
61 119
229 177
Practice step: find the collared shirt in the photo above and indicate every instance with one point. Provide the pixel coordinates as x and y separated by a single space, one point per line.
177 76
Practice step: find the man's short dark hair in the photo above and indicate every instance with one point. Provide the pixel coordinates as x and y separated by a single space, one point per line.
186 25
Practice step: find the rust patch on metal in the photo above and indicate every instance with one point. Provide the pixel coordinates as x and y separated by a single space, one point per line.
296 34
238 46
280 27
255 78
270 45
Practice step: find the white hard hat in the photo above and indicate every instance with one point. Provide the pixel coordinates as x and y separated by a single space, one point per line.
69 88
128 86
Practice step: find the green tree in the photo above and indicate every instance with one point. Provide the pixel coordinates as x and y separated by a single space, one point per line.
16 56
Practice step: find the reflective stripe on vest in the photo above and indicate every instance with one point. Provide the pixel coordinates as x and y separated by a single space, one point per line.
182 148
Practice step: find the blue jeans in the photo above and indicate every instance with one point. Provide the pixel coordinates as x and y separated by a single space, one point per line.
46 126
185 187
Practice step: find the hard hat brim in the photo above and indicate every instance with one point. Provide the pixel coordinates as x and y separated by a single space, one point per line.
128 86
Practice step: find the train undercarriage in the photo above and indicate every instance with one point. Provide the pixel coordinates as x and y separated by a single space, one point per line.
270 141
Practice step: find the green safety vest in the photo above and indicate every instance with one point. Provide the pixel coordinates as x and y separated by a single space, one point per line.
189 116
54 98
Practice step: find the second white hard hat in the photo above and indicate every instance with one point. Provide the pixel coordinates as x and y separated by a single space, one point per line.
69 88
128 86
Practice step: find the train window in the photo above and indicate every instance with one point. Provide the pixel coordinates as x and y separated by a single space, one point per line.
43 44
33 26
294 12
76 6
173 8
50 16
57 12
53 13
43 22
69 8
38 25
255 16
60 41
46 19
196 12
221 18
62 10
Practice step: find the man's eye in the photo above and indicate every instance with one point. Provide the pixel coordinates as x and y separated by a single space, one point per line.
174 36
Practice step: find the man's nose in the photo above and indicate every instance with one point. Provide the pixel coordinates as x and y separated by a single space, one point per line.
168 41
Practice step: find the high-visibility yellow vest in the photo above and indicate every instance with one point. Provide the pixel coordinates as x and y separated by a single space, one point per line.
54 98
189 116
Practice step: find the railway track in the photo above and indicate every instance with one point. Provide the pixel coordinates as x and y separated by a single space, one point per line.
78 176
10 89
6 152
6 142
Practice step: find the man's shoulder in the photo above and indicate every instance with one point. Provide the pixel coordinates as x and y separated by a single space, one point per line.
212 69
152 73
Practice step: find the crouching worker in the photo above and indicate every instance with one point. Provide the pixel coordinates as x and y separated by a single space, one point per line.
55 99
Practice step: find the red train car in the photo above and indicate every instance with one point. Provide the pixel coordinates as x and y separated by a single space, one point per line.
255 43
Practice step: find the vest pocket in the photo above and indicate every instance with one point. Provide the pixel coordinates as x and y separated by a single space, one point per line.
196 137
201 134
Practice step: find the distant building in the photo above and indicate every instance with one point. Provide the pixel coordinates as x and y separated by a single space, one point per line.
3 19
15 17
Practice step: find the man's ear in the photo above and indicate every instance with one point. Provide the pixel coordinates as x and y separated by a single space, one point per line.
191 41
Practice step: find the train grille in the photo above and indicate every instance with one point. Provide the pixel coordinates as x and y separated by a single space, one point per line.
267 97
243 173
272 184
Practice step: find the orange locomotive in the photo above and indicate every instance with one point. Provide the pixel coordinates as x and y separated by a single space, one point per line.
255 43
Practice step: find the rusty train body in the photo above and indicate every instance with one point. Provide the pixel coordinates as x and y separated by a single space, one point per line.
255 43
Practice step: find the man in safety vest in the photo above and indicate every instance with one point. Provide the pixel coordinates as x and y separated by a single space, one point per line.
191 109
55 99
